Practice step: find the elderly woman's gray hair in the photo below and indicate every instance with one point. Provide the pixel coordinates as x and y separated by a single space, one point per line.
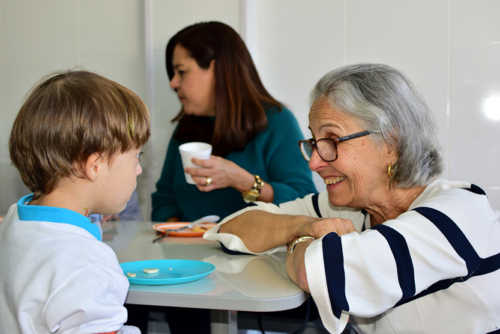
386 102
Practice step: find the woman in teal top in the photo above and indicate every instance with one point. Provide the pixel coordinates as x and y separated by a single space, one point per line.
254 138
273 155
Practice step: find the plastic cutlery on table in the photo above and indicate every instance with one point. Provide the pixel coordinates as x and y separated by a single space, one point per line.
206 219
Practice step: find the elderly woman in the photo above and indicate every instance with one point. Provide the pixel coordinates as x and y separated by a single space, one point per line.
389 246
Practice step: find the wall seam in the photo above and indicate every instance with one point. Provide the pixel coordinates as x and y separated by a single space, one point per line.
345 34
150 96
449 86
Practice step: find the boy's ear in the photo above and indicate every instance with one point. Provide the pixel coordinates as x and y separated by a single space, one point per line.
92 167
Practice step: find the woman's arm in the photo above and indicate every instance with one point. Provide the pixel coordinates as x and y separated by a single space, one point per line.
261 231
225 173
295 265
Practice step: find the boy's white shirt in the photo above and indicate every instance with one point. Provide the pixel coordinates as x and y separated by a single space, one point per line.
59 277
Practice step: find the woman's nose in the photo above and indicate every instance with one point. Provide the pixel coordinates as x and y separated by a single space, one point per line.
315 162
174 82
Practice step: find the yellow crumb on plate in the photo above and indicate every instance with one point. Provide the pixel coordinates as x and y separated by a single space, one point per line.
199 229
131 274
150 270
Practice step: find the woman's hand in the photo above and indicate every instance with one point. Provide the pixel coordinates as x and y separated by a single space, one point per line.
218 173
318 227
321 227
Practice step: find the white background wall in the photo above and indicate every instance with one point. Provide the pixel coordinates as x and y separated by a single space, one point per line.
450 49
40 37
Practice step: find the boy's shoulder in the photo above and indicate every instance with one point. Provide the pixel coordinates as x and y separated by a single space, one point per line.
65 268
56 242
67 253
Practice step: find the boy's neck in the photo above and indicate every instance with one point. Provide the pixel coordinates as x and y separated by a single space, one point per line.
68 196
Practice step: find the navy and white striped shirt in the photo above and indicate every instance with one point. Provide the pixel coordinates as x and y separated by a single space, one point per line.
433 269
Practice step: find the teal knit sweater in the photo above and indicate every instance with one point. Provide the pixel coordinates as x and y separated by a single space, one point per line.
273 154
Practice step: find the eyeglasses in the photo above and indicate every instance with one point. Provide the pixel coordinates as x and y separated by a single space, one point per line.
326 147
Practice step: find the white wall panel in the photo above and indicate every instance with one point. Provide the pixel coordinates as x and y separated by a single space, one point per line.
298 42
36 40
475 72
411 36
111 40
40 37
449 49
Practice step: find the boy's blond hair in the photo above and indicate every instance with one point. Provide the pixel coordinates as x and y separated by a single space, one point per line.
68 117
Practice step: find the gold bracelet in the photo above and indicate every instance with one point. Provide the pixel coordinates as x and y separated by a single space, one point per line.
254 193
293 244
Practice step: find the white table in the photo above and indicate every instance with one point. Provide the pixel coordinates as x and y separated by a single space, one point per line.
239 282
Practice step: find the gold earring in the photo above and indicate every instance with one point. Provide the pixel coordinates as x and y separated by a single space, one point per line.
389 171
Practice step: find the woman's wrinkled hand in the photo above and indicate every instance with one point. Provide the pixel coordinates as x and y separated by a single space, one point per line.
340 226
219 173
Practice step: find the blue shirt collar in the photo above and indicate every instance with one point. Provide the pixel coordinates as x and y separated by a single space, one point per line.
55 215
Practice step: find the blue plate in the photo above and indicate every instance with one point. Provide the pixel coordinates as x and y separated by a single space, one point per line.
169 271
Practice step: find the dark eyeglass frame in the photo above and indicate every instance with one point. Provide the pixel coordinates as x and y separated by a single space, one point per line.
335 141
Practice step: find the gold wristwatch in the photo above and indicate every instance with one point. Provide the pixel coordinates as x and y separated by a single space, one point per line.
254 193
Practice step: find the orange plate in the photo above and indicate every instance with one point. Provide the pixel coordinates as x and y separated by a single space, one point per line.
194 232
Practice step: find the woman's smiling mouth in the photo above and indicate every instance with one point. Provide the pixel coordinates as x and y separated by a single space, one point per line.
334 180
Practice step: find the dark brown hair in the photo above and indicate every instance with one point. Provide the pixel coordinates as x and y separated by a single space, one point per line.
240 96
68 117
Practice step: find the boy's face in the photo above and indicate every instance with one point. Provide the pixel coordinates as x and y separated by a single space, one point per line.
117 180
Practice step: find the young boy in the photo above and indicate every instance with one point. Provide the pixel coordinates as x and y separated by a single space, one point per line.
76 143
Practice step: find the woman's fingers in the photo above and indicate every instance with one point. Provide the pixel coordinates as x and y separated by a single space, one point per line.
214 173
198 172
338 225
205 163
204 183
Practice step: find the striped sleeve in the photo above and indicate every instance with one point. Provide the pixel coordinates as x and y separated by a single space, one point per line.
422 251
313 205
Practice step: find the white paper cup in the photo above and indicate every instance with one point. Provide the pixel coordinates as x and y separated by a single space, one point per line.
191 150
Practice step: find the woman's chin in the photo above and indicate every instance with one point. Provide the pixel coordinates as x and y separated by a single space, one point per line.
336 199
196 113
338 203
